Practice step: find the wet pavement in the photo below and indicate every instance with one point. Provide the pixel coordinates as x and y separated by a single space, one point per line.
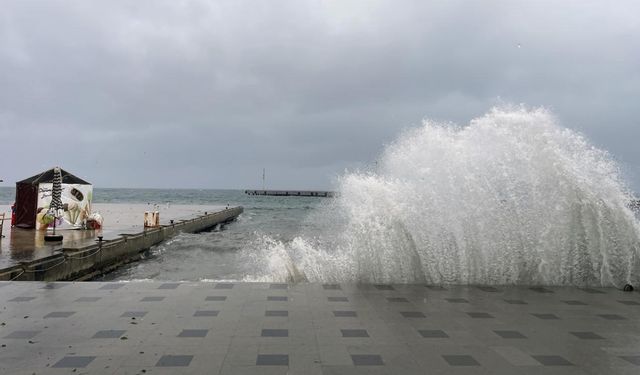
258 328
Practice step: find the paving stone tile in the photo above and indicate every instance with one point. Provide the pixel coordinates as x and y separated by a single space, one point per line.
206 313
412 314
539 289
216 298
133 314
59 314
587 335
397 299
575 303
277 298
552 360
354 333
174 361
593 291
460 360
193 333
633 359
272 360
276 313
367 360
224 286
505 334
331 287
383 287
345 314
546 316
433 333
54 285
88 299
612 317
488 289
152 299
109 334
279 286
630 303
437 288
112 286
275 333
337 299
74 362
169 286
22 335
515 302
457 300
480 315
22 299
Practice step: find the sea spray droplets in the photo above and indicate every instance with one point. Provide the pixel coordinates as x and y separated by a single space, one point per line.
513 198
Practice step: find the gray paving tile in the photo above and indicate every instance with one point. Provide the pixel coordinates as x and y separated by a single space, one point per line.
515 302
109 334
278 286
460 360
546 316
612 317
276 313
480 315
367 360
630 303
437 288
587 335
74 362
193 333
174 361
412 314
433 334
593 291
22 334
169 286
633 359
206 313
337 299
354 333
216 298
277 298
54 285
488 289
539 289
505 334
88 299
152 299
383 287
331 287
22 299
275 333
397 299
59 314
112 286
272 360
457 300
552 360
344 314
133 314
224 286
575 303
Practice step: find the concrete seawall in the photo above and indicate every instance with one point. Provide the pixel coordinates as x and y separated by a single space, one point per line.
90 261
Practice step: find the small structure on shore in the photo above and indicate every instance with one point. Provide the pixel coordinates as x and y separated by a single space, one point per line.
34 195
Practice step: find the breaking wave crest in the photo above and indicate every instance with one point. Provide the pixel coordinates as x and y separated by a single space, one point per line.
512 198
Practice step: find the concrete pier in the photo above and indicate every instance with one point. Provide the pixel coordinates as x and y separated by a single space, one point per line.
313 329
85 257
292 193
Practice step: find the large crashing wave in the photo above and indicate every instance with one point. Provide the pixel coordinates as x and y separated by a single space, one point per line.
512 198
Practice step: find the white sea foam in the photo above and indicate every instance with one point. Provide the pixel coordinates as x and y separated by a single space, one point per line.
512 198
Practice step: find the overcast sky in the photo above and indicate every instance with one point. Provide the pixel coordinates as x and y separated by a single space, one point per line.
204 94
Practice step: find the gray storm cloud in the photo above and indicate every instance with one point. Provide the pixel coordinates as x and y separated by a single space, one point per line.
125 93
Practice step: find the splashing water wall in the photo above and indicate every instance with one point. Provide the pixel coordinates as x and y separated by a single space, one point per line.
512 198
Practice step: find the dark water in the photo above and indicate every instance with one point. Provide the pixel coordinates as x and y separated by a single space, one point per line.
221 254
